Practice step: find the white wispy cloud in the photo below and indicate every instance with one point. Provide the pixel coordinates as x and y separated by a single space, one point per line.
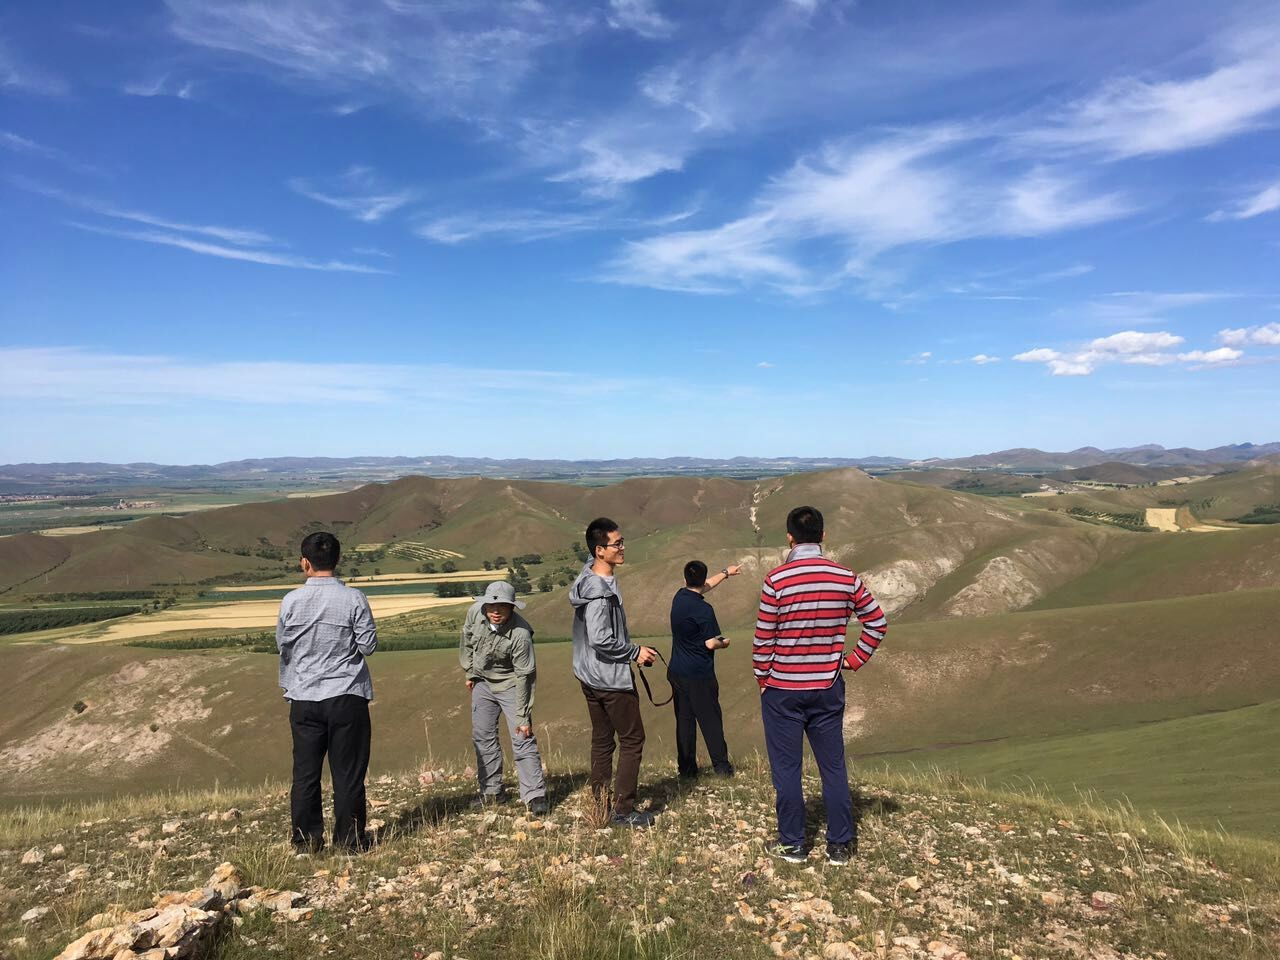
16 143
249 255
80 375
1267 335
358 191
918 359
1266 200
766 365
452 59
639 16
236 235
982 359
1146 306
160 87
1129 347
16 74
931 185
1135 116
517 225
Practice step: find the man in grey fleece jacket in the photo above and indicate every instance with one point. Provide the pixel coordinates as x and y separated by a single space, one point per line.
602 655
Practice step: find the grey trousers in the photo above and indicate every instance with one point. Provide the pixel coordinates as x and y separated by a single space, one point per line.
486 704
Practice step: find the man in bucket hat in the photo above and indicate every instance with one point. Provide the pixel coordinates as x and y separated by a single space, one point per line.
496 653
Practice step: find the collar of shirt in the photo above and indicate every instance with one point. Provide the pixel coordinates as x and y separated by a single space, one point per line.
802 551
312 581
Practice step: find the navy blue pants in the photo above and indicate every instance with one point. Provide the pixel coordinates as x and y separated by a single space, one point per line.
789 717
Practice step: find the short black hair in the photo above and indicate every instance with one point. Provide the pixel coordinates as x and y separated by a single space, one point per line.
805 524
695 573
598 531
322 550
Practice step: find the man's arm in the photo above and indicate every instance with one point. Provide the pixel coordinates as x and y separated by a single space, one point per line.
874 626
716 579
522 662
711 631
465 644
366 633
763 645
283 644
598 617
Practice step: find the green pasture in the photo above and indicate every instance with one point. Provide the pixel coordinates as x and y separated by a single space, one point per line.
1210 771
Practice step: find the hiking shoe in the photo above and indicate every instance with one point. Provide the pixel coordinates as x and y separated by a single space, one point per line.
539 807
790 852
636 818
488 800
726 771
839 854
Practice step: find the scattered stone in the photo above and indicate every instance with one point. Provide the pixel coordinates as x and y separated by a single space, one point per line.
908 943
1052 899
34 914
33 857
867 898
839 950
171 826
57 852
1104 900
1006 827
943 951
913 884
78 873
227 881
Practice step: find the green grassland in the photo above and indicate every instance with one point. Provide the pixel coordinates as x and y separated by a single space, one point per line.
936 686
1218 770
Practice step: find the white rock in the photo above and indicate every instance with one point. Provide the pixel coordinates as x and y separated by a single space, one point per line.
32 857
57 852
34 914
171 826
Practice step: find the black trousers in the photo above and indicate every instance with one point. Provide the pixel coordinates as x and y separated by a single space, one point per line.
697 704
340 728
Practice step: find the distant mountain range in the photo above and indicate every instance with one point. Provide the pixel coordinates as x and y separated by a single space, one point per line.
21 477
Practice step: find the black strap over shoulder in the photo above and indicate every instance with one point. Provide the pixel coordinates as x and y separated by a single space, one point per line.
645 680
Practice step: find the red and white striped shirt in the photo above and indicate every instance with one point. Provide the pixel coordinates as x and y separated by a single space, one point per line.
805 607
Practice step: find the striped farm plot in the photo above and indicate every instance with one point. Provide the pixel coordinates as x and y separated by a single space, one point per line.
458 576
421 553
237 615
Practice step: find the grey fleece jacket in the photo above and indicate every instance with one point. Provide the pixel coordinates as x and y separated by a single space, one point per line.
602 647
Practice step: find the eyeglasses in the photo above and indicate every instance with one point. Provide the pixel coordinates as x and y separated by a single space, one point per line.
618 544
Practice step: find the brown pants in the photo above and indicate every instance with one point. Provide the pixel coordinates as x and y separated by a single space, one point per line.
615 713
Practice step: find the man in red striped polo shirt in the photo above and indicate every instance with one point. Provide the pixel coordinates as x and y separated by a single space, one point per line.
797 654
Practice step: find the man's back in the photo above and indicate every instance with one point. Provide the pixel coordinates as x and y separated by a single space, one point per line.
805 606
324 633
693 623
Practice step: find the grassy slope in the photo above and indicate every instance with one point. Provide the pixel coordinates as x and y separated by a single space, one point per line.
1015 676
1216 769
993 874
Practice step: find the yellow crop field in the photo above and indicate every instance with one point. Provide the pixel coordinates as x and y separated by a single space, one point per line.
236 615
76 531
458 576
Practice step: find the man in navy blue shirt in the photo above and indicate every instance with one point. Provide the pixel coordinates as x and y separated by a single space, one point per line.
695 638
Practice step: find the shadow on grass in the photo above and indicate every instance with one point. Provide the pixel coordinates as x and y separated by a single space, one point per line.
815 812
434 810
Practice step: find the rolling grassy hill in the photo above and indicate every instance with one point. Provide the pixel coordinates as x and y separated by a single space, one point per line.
154 719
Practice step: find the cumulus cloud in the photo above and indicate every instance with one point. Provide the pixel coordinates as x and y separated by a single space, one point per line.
982 359
1267 335
1132 347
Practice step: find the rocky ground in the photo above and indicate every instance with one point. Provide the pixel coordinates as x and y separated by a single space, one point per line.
945 871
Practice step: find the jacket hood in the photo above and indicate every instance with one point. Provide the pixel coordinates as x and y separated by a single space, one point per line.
589 586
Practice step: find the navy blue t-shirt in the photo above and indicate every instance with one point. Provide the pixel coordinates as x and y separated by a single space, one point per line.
693 622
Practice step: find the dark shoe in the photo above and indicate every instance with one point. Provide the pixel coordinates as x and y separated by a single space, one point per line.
839 854
539 807
636 818
792 853
308 847
688 774
488 800
725 771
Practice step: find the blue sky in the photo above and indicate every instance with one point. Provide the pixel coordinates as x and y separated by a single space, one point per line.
636 228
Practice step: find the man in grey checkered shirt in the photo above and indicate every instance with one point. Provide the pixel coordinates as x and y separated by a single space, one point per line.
324 633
